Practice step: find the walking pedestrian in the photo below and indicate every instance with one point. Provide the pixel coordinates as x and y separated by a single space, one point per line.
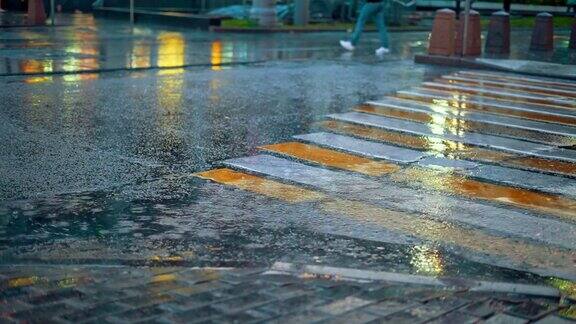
371 8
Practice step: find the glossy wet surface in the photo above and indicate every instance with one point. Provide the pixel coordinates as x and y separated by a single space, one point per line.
294 154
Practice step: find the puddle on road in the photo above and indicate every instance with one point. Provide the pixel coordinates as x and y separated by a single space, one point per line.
213 225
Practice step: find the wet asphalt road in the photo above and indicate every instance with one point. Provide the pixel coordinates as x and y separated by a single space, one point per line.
99 168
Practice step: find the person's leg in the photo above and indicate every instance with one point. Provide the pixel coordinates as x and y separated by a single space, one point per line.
381 24
365 13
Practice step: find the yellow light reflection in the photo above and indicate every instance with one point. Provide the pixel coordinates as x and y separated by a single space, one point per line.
171 49
427 260
216 55
23 281
37 66
140 57
171 57
567 287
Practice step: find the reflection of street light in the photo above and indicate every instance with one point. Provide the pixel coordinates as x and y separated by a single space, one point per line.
427 260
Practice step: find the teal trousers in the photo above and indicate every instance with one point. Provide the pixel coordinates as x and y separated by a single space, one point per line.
368 11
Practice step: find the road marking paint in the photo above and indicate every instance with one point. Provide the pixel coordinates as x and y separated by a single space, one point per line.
521 88
369 149
537 256
506 96
454 111
266 187
518 79
440 129
442 181
461 185
455 100
333 158
466 125
451 148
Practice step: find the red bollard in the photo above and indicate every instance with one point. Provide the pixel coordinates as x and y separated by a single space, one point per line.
36 14
498 39
474 40
442 38
543 33
572 44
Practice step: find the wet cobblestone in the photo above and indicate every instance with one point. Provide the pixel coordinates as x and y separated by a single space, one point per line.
266 297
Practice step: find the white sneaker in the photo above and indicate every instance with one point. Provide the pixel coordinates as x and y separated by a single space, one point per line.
382 50
347 45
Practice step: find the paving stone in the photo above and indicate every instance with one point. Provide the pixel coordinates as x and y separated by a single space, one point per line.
388 307
245 288
43 313
340 291
54 296
447 302
98 294
158 320
484 308
308 316
242 303
278 279
95 311
13 306
416 314
259 315
214 286
141 313
195 314
404 292
456 317
15 292
344 305
288 291
569 312
530 310
243 317
7 320
146 300
551 319
197 300
356 317
320 283
505 319
294 304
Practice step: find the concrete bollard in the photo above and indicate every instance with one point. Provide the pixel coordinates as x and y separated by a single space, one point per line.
498 39
36 13
572 44
543 33
474 46
442 38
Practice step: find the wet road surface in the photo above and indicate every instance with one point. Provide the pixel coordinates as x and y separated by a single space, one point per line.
304 155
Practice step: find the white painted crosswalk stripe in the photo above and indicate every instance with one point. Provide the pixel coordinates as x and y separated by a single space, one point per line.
466 114
390 195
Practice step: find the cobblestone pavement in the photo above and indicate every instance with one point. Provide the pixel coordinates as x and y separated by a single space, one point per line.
95 294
